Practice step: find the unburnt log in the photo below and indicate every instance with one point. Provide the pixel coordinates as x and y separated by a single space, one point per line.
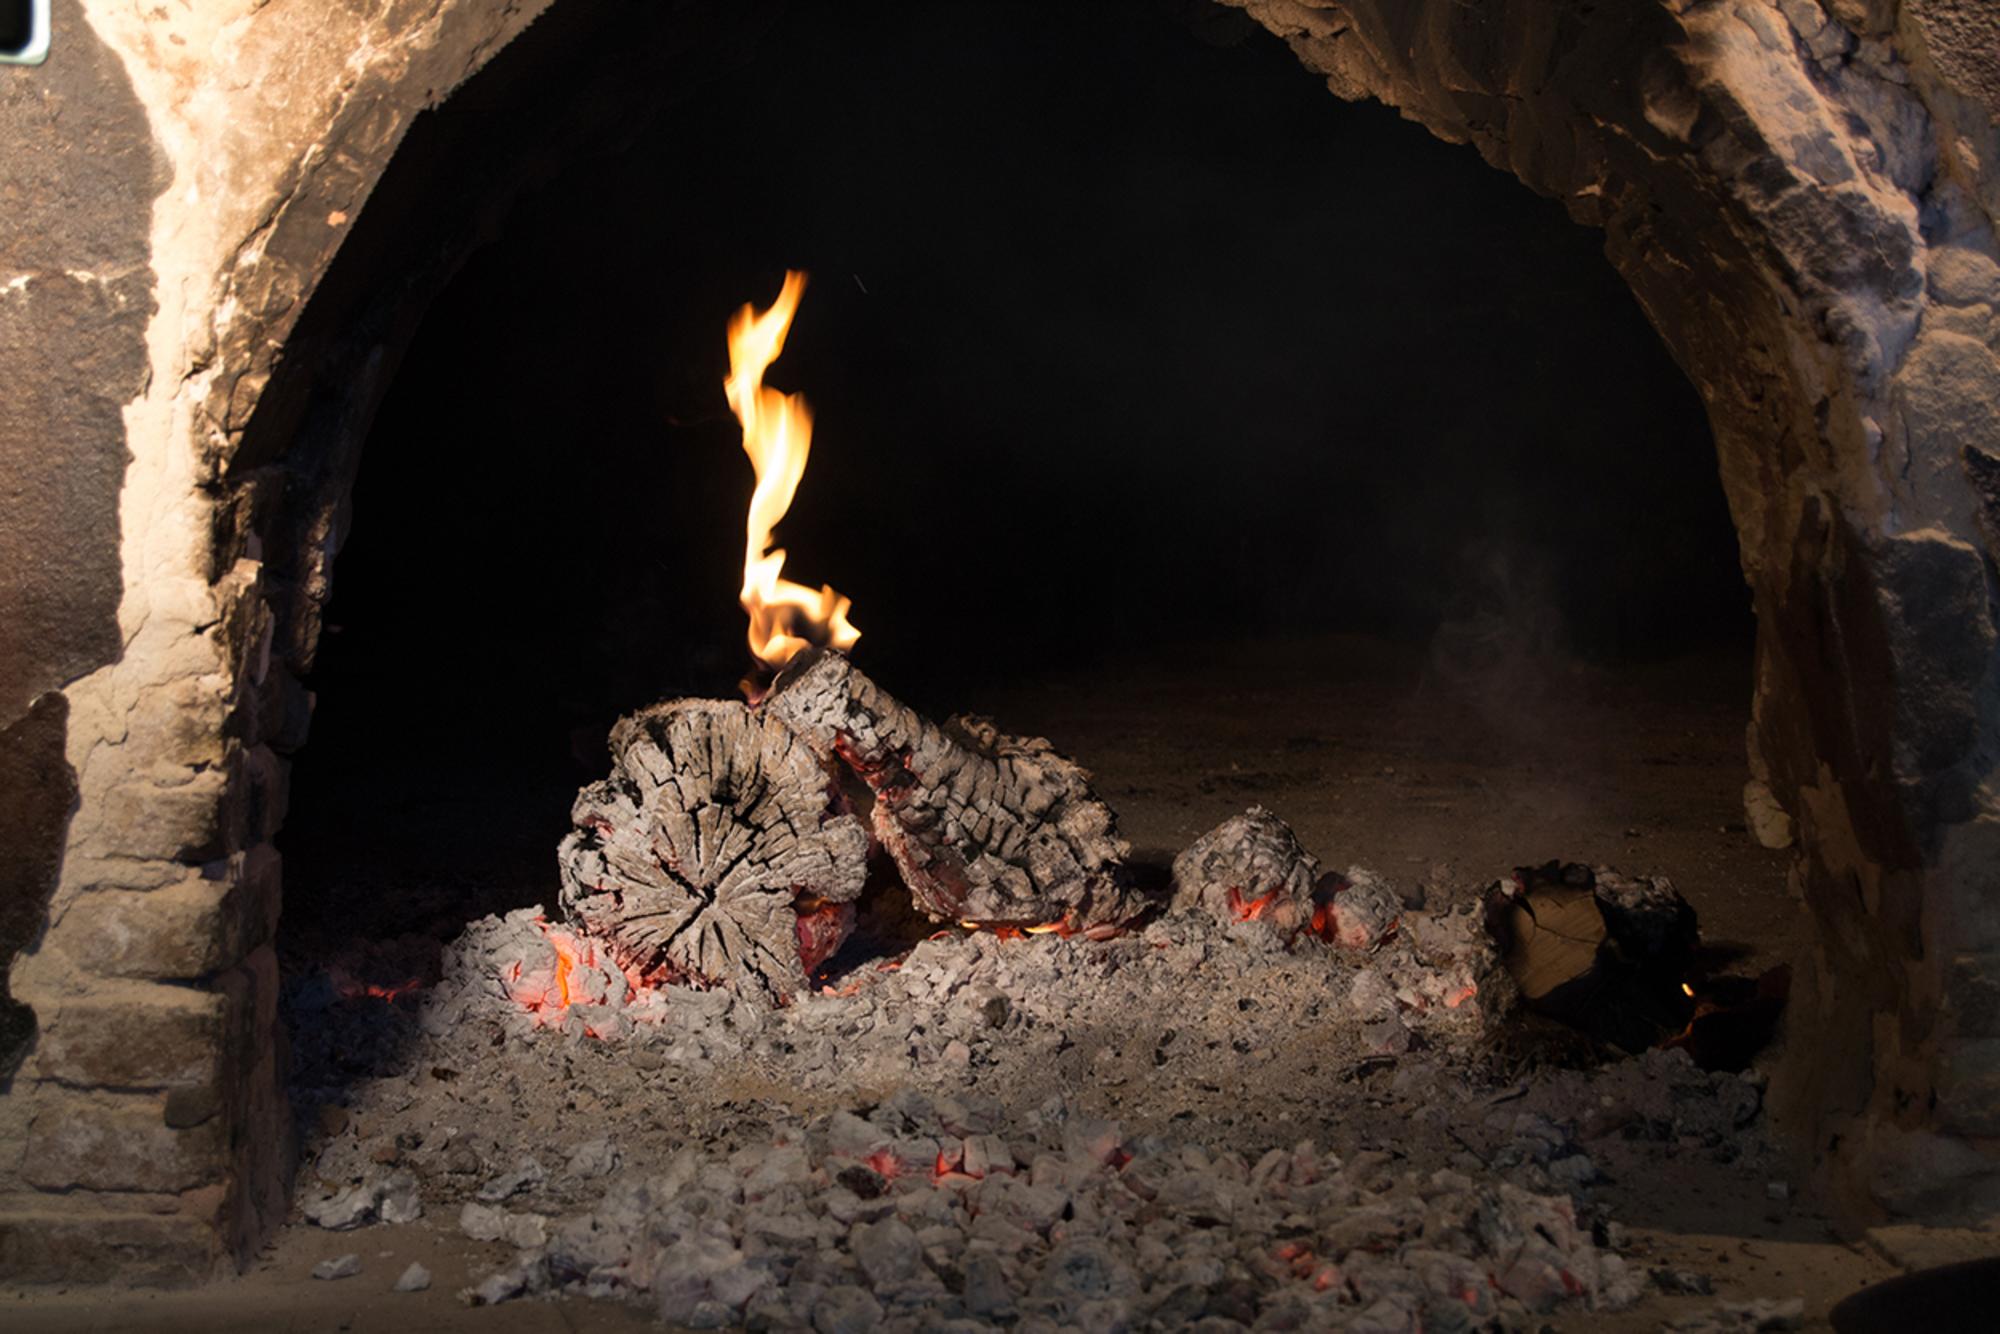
718 849
984 827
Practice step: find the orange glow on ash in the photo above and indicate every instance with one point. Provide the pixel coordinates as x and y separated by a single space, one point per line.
1322 922
777 435
1062 930
565 965
347 987
1249 910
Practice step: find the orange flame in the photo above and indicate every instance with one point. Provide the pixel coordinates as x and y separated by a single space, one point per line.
777 435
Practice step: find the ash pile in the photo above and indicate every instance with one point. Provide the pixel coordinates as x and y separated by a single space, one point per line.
1254 1095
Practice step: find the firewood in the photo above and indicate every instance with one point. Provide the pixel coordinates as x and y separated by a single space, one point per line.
985 828
1602 951
1249 868
718 850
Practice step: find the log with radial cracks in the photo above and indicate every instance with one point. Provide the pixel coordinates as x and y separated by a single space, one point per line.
984 828
718 850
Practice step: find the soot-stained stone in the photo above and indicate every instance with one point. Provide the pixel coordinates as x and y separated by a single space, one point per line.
37 789
122 1144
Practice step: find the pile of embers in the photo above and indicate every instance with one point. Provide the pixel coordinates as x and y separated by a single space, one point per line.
934 1142
1035 1129
924 1216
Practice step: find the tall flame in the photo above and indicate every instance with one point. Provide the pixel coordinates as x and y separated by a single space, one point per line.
777 434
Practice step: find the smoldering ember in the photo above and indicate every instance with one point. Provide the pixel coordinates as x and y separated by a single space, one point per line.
1361 690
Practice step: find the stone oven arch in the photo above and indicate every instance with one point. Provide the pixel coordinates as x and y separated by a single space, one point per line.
1802 195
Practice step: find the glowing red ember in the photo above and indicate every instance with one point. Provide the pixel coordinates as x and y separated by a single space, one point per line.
574 973
1249 910
822 928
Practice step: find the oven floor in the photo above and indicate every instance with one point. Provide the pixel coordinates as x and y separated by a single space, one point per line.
1377 757
1418 768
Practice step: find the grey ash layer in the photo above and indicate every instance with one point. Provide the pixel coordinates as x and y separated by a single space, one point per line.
1205 1123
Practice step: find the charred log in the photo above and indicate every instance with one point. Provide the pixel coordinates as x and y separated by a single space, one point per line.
718 850
984 827
1250 868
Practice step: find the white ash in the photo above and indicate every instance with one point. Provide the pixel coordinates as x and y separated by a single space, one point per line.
1683 1282
526 1173
1361 909
388 1196
344 1266
1758 1314
486 1222
595 1158
980 1000
851 1220
759 1156
414 1279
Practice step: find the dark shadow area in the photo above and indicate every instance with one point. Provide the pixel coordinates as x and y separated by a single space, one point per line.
1122 336
1949 1299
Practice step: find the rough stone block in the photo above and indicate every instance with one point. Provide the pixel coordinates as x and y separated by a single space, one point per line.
260 1115
1944 394
181 821
285 711
37 792
1920 1174
71 1246
1968 1087
107 1142
190 929
1933 596
1972 990
135 1037
1960 276
259 794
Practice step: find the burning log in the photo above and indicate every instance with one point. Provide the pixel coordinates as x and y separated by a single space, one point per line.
718 849
1249 868
985 828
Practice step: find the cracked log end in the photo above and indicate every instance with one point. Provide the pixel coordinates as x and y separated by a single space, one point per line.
718 850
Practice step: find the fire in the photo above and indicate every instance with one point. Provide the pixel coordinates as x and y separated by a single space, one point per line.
565 965
777 434
1063 929
1249 910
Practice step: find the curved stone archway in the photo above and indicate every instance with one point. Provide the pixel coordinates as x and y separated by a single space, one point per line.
1802 196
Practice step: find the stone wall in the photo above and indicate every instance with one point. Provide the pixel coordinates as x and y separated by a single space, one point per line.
1803 198
196 169
1803 201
